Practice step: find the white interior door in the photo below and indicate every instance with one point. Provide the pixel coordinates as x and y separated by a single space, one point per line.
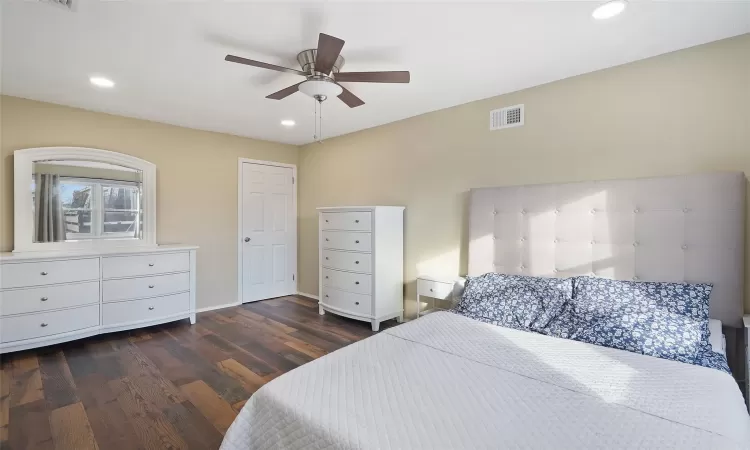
269 232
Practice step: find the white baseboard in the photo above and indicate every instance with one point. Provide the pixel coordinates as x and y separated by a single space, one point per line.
211 308
314 297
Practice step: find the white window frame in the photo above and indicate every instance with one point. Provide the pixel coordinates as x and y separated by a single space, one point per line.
23 220
97 211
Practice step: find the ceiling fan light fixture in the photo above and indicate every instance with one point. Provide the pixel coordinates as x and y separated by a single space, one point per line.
609 9
320 89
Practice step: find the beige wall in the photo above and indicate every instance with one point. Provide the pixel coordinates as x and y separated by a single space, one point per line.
196 177
683 112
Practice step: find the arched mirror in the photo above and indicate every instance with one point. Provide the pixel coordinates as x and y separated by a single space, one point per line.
82 198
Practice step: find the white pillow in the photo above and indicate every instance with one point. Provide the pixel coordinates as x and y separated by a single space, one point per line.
716 338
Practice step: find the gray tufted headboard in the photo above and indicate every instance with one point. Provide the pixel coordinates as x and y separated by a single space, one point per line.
684 228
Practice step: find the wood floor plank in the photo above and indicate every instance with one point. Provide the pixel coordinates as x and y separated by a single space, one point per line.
308 349
112 429
171 386
193 426
226 386
71 429
5 379
251 380
150 424
27 380
57 381
28 427
210 404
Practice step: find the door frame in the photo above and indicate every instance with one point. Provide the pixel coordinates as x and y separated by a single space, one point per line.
240 162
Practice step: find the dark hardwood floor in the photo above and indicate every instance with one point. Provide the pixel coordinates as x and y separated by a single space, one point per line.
172 386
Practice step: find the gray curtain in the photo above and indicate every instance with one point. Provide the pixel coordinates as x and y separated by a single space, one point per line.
49 221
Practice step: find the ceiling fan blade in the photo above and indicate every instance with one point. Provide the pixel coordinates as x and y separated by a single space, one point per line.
329 48
373 77
286 92
350 99
251 62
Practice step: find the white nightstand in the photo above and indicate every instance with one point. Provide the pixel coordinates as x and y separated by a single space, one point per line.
435 288
746 336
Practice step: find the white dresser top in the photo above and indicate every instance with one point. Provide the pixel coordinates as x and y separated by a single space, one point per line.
27 256
356 208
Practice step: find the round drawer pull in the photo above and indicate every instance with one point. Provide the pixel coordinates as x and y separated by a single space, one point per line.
326 239
431 290
356 221
44 273
356 282
44 299
150 308
356 242
150 286
326 295
326 258
326 277
151 264
43 325
356 303
356 262
326 220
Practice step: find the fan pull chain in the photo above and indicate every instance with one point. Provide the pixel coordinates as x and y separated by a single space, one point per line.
315 125
320 134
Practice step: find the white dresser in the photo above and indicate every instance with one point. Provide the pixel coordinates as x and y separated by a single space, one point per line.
362 262
48 298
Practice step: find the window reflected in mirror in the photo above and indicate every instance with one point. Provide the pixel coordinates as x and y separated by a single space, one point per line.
86 200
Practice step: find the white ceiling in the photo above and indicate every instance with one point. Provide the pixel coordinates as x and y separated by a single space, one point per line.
167 57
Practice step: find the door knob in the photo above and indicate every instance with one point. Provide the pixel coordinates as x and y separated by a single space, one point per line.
247 239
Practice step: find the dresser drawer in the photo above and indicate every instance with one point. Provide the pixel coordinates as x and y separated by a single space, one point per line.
352 221
434 289
48 323
48 272
145 309
357 262
138 265
359 283
44 298
131 288
347 240
346 301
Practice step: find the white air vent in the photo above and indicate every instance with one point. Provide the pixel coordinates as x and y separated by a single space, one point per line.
66 3
512 116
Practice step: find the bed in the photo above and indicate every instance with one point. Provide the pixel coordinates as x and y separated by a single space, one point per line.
448 381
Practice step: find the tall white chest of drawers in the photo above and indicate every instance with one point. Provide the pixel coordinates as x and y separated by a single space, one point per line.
48 298
362 262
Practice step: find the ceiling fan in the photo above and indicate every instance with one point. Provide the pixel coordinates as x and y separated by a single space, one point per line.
322 67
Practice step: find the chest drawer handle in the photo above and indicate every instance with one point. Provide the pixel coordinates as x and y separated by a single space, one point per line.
150 308
356 303
44 273
326 295
326 277
150 286
431 290
356 221
356 242
151 264
326 220
43 325
326 239
44 299
356 282
356 262
326 258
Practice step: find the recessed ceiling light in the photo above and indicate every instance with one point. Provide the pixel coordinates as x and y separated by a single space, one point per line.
102 82
609 9
288 123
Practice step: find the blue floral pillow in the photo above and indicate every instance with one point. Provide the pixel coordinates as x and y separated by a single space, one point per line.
514 301
666 320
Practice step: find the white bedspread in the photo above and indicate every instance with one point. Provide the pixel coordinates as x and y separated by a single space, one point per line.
449 382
